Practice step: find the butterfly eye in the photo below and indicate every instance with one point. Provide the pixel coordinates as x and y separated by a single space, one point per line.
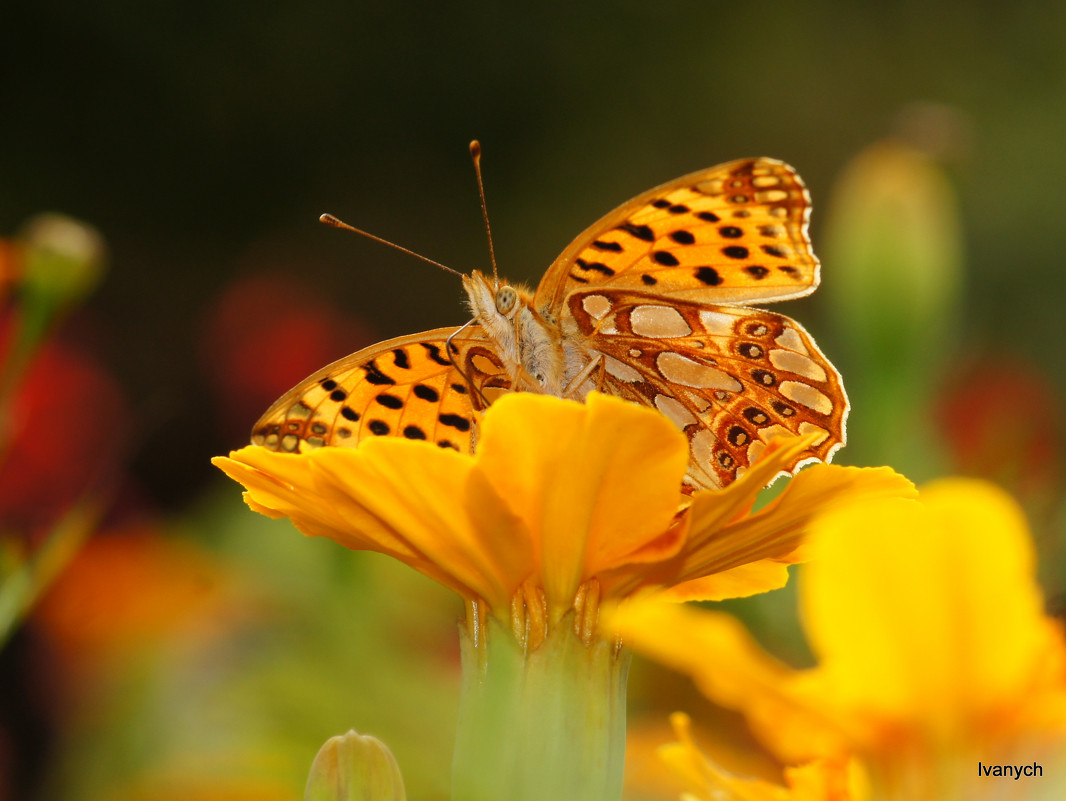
506 298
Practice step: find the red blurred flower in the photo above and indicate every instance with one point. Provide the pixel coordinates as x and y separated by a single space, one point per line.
263 335
63 432
1003 422
10 268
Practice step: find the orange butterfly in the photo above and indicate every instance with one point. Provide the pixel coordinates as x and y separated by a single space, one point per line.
649 304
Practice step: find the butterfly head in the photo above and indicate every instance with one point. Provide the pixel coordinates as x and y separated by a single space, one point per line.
490 298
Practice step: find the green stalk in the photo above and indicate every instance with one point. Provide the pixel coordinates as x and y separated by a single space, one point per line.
539 724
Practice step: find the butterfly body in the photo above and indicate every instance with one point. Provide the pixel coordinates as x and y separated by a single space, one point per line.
651 304
529 345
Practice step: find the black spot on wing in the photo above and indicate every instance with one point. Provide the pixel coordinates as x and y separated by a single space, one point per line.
426 393
414 432
434 354
374 375
389 401
708 276
595 266
641 232
456 421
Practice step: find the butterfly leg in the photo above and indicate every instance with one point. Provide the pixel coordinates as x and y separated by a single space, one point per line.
573 388
451 349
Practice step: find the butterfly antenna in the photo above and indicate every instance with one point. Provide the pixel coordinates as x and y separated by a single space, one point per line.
329 219
475 154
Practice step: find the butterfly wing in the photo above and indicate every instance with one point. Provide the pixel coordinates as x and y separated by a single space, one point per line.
730 377
736 232
657 290
405 387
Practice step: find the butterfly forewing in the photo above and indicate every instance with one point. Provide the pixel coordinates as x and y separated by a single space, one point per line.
736 232
405 387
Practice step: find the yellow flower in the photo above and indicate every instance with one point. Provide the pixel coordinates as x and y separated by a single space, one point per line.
562 505
831 779
938 671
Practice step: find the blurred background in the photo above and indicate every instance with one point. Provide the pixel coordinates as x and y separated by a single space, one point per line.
163 641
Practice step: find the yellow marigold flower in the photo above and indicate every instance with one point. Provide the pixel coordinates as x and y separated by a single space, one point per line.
820 780
939 673
563 504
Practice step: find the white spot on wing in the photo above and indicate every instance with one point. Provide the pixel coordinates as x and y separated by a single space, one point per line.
596 306
791 340
810 428
797 363
675 410
682 370
807 396
699 402
712 186
703 447
658 322
621 370
717 323
771 195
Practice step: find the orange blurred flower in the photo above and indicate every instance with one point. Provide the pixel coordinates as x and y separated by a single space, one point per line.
128 589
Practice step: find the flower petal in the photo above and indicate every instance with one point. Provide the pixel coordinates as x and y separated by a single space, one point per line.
737 582
783 705
932 617
414 502
777 531
595 483
820 780
706 779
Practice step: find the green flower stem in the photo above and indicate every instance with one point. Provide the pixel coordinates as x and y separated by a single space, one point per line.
23 583
539 724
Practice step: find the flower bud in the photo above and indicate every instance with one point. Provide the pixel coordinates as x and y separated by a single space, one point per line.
354 767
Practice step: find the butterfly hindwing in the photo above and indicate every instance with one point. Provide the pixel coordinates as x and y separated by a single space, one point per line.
404 387
736 232
730 377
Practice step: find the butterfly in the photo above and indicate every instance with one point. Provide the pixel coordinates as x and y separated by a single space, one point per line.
650 304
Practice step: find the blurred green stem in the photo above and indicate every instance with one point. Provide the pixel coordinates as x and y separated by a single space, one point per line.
539 724
27 580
